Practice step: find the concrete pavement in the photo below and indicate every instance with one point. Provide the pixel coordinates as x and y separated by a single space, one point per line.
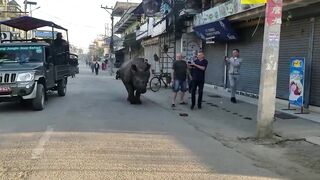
94 133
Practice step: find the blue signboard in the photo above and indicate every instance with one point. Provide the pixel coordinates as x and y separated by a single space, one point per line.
45 34
221 31
296 86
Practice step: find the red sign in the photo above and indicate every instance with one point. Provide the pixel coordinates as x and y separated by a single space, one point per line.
274 12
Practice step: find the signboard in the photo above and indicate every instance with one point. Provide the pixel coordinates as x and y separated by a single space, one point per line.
142 32
217 31
151 7
223 10
5 36
45 34
296 86
159 29
253 1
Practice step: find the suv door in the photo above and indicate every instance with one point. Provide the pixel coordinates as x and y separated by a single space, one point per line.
50 71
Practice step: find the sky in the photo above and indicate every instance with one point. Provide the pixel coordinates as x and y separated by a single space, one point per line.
84 19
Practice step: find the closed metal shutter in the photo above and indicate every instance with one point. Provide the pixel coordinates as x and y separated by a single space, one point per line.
250 46
215 70
315 82
149 52
294 43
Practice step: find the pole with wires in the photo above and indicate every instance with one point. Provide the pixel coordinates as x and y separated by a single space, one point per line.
111 56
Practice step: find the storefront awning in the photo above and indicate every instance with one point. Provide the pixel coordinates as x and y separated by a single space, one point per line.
220 31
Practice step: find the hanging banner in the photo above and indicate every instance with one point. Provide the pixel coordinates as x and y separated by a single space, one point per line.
296 86
151 7
274 12
253 1
223 10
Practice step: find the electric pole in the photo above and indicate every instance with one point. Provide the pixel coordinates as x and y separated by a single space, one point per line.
269 69
111 56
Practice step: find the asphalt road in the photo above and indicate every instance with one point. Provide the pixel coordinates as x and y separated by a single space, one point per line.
94 133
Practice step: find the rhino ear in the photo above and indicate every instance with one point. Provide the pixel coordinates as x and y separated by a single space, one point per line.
148 67
134 68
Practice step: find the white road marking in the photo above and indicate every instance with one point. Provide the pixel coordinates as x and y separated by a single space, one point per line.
36 152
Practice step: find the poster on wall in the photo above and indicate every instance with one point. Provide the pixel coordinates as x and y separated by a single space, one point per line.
296 86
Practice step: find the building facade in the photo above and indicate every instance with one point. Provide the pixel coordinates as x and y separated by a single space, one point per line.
299 38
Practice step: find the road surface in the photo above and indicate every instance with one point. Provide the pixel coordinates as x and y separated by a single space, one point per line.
94 133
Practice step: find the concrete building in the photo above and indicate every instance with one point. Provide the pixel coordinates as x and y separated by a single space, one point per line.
299 38
126 27
9 10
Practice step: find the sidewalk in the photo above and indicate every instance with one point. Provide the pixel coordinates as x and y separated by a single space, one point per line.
280 106
220 115
294 150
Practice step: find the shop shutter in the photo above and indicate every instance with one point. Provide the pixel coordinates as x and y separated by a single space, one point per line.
250 46
215 70
294 43
315 82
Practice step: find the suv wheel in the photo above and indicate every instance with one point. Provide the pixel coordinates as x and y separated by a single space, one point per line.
39 101
62 87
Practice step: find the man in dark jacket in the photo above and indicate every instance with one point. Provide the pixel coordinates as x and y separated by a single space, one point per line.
96 67
199 67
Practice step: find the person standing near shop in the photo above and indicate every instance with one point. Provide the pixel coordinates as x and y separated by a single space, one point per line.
234 64
199 67
179 75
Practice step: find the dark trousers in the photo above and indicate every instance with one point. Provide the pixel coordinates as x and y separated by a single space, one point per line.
197 85
97 71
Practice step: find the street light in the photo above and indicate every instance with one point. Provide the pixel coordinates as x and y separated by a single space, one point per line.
110 11
30 4
34 10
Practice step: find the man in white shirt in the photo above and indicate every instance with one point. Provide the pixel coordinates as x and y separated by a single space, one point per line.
234 64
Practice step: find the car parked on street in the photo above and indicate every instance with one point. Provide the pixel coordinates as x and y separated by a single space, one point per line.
30 68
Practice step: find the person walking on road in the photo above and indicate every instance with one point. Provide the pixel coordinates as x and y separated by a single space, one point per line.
92 67
179 76
234 64
97 67
199 67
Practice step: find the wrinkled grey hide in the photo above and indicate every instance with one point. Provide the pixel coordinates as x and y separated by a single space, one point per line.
135 75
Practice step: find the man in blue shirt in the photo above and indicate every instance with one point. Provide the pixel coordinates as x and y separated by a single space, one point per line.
199 67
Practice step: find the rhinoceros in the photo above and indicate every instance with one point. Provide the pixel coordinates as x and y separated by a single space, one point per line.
135 75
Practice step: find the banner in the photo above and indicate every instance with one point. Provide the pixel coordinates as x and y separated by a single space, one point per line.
296 86
253 1
223 10
151 7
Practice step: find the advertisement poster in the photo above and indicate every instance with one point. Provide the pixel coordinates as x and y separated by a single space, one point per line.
296 86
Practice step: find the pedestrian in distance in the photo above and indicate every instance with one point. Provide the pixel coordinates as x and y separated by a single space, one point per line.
97 67
199 67
234 64
92 67
179 76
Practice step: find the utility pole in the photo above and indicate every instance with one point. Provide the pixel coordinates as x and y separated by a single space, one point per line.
269 69
111 56
25 6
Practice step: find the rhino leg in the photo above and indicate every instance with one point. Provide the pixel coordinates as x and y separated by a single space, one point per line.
137 98
130 91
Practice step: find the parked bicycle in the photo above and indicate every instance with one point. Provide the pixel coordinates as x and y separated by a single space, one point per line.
156 82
